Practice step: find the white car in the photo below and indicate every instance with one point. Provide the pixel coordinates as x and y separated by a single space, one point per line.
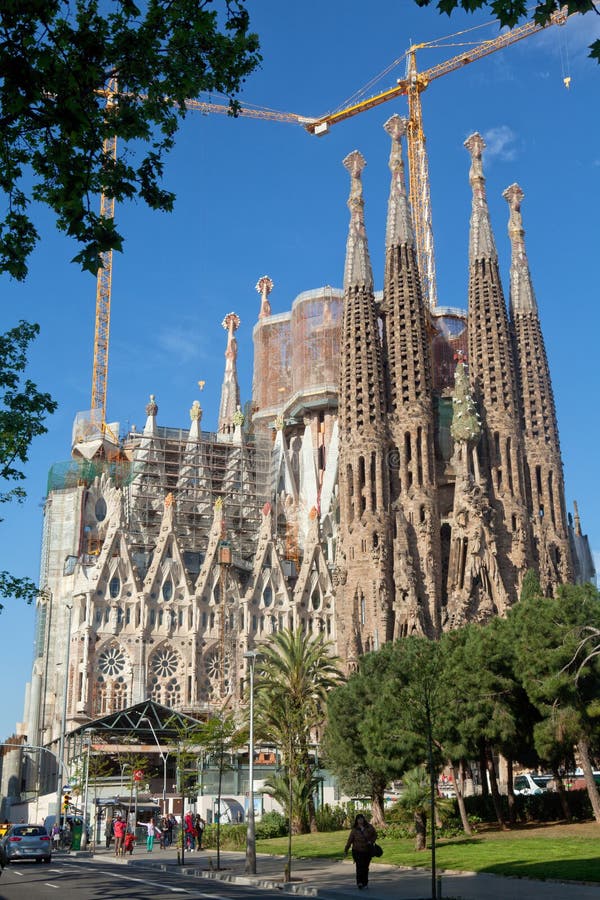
531 784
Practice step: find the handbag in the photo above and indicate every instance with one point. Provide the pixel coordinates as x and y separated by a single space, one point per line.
376 850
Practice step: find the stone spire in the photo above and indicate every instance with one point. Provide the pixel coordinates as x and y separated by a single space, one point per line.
230 392
364 601
264 286
399 229
494 384
407 355
540 429
522 296
481 239
362 397
151 413
358 271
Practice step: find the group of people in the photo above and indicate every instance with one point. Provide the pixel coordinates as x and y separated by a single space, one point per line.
161 830
193 830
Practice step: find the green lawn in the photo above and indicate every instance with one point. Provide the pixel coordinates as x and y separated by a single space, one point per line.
570 852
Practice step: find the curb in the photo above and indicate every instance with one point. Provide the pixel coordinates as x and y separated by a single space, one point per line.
249 880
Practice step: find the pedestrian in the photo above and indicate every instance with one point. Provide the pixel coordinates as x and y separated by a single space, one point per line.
361 838
129 843
190 831
119 829
108 832
199 824
171 824
55 835
153 832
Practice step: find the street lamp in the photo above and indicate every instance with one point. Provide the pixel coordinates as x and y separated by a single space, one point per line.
250 868
63 724
84 839
164 757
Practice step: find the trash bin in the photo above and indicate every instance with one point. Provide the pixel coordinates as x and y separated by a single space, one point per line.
77 829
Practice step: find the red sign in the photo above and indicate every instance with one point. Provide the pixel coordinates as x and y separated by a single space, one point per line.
138 775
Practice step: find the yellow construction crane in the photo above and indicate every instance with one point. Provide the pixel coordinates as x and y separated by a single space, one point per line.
412 86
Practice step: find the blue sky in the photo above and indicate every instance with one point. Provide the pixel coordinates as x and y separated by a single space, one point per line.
256 198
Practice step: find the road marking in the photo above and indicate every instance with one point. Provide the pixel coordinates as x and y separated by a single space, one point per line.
165 887
47 883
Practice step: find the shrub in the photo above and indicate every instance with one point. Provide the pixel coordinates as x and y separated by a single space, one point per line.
331 818
544 807
271 825
233 837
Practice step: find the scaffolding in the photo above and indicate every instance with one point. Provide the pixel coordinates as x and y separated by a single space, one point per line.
196 473
449 338
316 331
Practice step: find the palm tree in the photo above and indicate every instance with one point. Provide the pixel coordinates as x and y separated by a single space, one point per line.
295 672
415 803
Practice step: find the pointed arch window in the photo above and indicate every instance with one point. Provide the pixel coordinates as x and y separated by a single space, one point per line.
114 587
167 590
268 595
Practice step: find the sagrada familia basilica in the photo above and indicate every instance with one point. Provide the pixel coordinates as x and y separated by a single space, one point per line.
397 471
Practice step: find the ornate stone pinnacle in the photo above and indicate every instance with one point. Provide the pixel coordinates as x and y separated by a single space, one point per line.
475 145
264 286
231 322
238 417
152 408
522 295
399 220
514 197
481 239
396 127
355 163
196 412
358 264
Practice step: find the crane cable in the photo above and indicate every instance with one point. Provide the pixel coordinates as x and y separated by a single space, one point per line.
436 44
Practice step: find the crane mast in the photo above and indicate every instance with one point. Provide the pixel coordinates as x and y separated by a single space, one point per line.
420 195
412 86
103 290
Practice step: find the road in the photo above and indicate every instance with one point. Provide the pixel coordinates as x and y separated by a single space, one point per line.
84 881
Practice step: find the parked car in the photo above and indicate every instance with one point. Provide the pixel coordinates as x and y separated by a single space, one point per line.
27 842
531 784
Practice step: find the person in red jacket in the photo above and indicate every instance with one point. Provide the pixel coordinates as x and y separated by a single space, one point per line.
119 828
190 831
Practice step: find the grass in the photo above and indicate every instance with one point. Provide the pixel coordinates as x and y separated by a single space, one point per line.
562 852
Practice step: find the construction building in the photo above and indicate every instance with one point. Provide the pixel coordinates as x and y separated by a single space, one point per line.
396 471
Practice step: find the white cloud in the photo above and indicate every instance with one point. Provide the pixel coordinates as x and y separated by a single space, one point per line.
180 343
571 40
501 143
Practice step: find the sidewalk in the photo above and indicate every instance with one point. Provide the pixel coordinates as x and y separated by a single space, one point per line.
332 879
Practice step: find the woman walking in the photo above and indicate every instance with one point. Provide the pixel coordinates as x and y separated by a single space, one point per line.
361 838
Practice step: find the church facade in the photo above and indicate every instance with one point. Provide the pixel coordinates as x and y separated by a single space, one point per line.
397 471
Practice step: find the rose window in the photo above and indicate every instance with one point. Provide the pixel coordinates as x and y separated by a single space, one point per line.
165 663
112 661
219 674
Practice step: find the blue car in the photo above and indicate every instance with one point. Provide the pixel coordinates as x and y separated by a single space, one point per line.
27 842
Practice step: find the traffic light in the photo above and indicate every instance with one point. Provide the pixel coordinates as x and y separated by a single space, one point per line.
66 802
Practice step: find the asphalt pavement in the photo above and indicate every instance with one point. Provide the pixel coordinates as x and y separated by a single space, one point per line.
334 879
